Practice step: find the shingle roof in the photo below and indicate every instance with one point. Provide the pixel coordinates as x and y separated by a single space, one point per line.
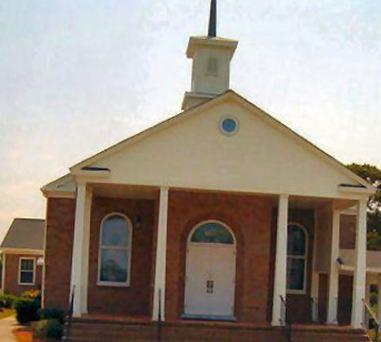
25 233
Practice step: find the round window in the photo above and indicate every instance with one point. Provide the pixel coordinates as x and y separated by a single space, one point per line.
229 126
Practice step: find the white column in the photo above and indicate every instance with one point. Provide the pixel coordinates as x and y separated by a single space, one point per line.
161 255
359 277
280 277
333 289
81 242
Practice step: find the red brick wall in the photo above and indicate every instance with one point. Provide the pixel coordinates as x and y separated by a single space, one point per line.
135 299
345 299
58 253
249 217
323 297
12 274
347 231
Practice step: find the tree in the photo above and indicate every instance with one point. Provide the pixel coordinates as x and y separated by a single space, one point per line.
372 174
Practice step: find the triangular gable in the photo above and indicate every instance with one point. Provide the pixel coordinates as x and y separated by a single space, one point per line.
188 151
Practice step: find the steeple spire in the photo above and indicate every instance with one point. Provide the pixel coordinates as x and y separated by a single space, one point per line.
212 32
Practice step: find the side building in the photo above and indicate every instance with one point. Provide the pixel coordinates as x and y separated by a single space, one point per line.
23 255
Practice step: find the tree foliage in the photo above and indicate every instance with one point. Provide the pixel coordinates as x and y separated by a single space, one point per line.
372 174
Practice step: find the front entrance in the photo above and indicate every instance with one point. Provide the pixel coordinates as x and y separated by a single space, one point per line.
210 272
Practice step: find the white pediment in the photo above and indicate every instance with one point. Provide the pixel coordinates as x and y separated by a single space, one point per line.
189 151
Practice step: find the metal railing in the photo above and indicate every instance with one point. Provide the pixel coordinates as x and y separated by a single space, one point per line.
68 318
284 321
159 319
371 323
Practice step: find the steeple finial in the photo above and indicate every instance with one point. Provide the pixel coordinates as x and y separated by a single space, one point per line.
212 32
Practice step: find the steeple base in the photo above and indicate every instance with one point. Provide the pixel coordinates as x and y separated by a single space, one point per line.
195 99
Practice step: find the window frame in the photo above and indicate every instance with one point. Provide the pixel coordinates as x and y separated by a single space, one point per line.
200 224
101 247
21 259
214 60
299 257
222 130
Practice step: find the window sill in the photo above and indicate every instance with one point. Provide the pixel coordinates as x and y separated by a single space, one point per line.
296 292
26 284
112 284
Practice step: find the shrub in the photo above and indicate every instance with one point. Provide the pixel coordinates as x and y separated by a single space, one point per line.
52 313
27 309
47 328
7 301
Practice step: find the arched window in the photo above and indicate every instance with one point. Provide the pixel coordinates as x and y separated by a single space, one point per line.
115 250
212 232
296 258
212 66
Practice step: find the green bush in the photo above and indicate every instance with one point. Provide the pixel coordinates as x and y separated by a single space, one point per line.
52 313
27 309
47 328
7 301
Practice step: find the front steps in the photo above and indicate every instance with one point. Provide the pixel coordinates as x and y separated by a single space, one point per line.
97 330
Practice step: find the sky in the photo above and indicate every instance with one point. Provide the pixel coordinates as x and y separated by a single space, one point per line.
77 76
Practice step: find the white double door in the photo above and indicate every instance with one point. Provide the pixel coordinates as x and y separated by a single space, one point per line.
210 280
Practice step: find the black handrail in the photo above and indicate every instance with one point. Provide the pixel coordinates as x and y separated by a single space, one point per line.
68 318
284 321
371 319
159 319
314 310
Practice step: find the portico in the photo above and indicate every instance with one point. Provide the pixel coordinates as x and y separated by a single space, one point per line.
323 234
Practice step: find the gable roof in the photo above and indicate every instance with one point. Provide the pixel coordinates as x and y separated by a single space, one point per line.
228 95
25 233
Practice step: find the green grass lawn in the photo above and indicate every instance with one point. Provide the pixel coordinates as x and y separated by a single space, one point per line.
6 313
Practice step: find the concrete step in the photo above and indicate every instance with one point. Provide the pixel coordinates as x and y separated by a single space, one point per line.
114 331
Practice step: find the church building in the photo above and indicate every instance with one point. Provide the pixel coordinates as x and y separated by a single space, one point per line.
219 223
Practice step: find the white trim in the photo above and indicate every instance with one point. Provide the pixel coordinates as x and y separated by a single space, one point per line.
20 270
375 270
58 194
212 243
304 257
161 255
22 251
356 190
128 249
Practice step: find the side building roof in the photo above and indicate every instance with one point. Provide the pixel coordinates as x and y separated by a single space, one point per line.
25 233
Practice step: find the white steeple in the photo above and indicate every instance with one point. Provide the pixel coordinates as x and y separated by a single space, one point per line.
211 63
